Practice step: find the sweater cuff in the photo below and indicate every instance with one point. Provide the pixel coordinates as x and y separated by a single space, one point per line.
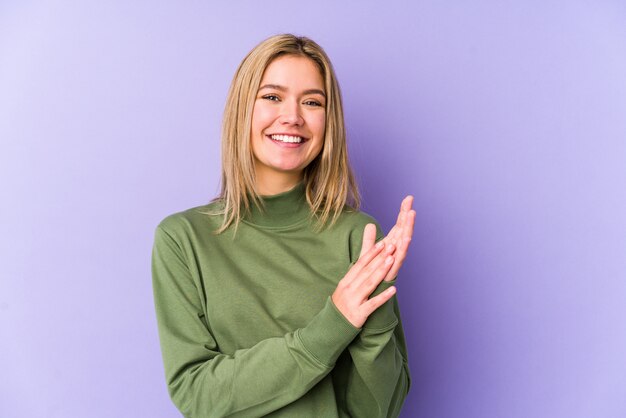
328 334
384 317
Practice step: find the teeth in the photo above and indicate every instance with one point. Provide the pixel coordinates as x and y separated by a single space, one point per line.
287 138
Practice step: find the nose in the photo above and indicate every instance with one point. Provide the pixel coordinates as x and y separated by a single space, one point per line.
290 114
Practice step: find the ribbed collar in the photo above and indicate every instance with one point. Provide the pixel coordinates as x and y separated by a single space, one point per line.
282 209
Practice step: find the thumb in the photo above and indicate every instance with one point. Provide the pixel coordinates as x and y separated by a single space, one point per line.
369 238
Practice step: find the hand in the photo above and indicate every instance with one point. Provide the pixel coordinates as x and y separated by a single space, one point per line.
400 236
352 292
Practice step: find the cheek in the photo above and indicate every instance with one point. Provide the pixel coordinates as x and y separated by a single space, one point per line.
318 123
262 117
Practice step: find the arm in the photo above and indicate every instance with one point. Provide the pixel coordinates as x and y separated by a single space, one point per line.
254 381
380 377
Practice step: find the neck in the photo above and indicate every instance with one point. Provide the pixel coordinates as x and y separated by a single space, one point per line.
281 209
268 184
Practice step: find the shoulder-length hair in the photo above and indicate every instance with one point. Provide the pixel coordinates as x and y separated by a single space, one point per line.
329 181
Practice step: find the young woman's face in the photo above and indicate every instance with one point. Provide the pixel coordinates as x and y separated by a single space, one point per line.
289 119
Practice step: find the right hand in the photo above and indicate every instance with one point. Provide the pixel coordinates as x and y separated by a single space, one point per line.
352 292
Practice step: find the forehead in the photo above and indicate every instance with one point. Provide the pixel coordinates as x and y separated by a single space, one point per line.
292 71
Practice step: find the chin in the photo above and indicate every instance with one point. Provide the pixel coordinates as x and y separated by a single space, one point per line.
287 167
288 170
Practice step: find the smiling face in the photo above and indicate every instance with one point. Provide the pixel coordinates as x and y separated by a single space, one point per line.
288 122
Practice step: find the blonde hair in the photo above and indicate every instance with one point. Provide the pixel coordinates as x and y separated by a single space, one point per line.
329 181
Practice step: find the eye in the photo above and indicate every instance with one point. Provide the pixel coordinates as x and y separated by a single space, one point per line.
272 97
313 103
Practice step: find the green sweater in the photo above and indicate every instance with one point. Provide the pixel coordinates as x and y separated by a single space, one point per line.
247 325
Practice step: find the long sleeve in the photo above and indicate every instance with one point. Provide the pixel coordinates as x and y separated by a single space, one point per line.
204 382
379 376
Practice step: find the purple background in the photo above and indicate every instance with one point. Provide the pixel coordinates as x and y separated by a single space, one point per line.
506 120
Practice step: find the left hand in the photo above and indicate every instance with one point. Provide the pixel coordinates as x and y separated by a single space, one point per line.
400 236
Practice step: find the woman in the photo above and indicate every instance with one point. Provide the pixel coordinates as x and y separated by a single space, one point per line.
273 299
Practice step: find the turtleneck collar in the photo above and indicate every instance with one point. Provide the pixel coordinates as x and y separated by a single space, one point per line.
282 209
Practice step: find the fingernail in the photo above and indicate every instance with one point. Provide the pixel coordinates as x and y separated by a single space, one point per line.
389 260
380 244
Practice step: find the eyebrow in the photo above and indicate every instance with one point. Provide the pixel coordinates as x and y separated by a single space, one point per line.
283 88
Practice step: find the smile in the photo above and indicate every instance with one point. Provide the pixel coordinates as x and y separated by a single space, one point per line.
291 139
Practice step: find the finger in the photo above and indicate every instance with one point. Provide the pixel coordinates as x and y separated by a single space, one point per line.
407 203
409 224
364 260
398 229
399 259
403 247
394 232
403 226
377 301
405 207
378 275
372 274
404 216
393 236
369 238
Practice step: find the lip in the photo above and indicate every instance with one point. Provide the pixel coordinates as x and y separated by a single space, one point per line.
304 138
287 144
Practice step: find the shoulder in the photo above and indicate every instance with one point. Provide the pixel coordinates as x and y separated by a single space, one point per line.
355 220
181 223
357 217
349 228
